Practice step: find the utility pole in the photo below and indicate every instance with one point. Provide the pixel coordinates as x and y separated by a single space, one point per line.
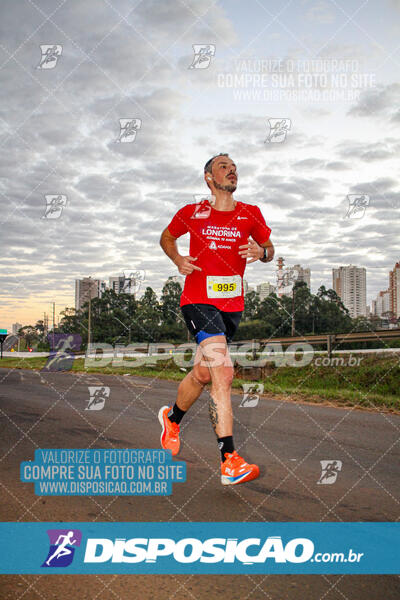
293 319
54 321
45 325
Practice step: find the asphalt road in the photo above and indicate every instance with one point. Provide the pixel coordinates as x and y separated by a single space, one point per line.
287 440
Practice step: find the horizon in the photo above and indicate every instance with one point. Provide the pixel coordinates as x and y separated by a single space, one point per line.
313 289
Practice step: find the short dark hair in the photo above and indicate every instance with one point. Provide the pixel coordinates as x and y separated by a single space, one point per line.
208 165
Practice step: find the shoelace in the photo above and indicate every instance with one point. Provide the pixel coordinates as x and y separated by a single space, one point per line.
175 428
235 459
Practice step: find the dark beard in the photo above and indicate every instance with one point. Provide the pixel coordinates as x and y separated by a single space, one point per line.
231 187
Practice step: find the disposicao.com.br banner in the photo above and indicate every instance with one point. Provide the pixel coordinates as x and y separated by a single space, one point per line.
200 548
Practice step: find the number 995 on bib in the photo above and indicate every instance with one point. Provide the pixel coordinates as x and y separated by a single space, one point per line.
219 286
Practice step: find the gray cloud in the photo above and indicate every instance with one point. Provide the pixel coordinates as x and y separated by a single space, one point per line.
58 132
375 151
337 165
309 163
379 101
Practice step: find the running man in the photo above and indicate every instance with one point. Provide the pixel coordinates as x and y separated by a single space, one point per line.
62 549
224 236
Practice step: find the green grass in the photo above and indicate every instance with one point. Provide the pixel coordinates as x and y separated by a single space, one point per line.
372 384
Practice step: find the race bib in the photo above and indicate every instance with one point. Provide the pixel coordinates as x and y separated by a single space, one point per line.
221 286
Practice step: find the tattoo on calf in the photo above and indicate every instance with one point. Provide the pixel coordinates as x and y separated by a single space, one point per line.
212 409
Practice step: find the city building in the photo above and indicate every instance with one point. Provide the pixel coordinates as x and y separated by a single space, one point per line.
15 327
116 284
84 287
287 276
265 289
394 290
387 303
298 273
246 287
382 304
350 284
127 283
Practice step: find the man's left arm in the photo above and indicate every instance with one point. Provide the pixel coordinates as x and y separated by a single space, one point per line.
259 232
270 251
253 251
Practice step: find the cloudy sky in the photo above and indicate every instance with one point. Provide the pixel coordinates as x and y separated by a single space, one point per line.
329 66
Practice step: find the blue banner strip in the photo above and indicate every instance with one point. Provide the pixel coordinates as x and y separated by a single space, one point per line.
200 548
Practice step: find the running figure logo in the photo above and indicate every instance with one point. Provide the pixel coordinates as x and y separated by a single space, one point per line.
202 55
278 129
286 278
251 393
133 281
50 55
204 202
357 205
128 130
54 206
330 470
98 396
62 547
61 357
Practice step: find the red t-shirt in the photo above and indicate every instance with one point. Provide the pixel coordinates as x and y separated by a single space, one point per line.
215 237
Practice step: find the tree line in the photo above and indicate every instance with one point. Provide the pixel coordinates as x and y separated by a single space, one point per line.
123 319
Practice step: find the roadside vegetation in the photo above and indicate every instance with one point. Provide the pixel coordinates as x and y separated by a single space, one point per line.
373 384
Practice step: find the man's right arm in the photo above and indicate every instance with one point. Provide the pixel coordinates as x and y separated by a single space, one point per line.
168 244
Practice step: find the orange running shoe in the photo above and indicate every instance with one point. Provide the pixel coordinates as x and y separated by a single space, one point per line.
170 431
236 470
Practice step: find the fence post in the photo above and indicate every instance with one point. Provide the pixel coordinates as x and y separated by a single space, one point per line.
329 345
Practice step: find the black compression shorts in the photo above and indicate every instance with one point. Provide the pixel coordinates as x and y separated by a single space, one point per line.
206 320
